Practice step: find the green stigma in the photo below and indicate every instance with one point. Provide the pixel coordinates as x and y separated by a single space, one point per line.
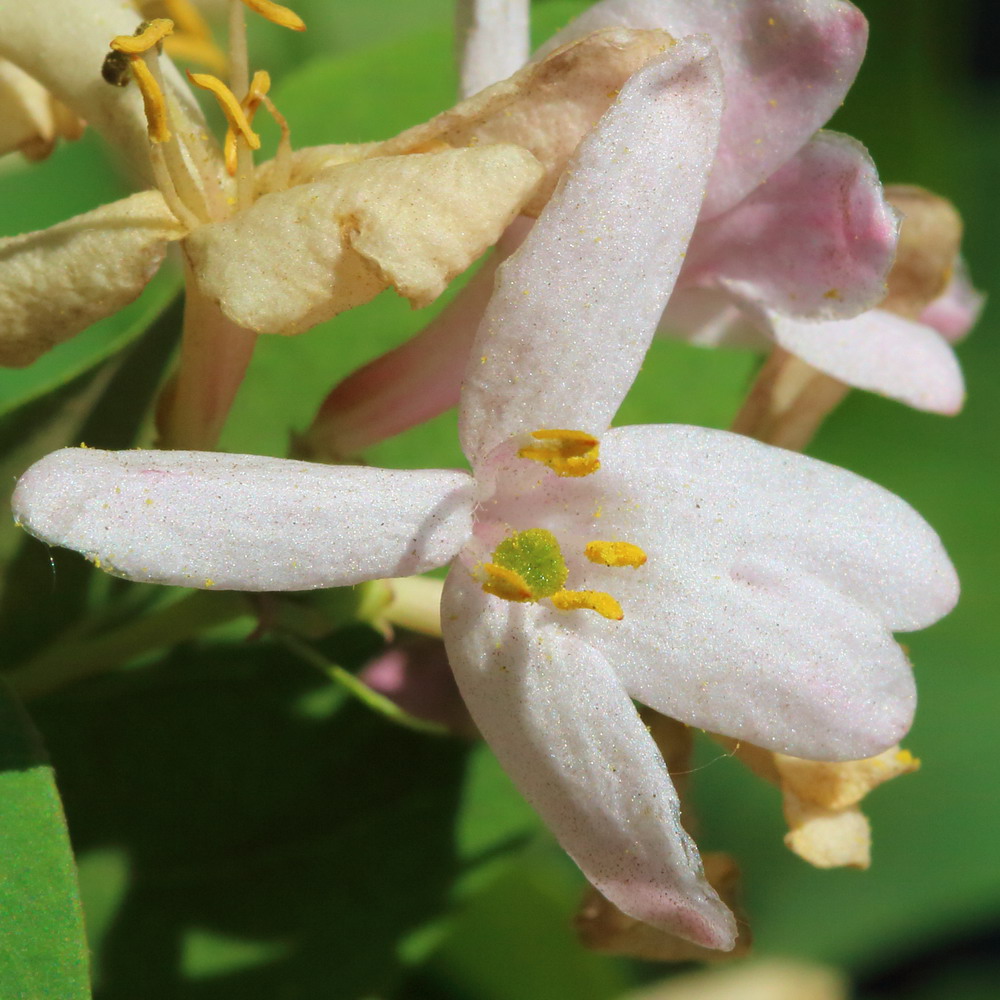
534 555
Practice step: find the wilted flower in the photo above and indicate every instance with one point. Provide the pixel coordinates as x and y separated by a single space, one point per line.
726 584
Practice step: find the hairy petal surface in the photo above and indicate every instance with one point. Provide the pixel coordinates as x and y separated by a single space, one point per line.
493 41
815 240
576 307
56 282
243 522
298 257
881 352
772 585
787 65
563 727
547 107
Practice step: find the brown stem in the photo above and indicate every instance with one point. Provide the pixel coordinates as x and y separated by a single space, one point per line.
215 353
788 402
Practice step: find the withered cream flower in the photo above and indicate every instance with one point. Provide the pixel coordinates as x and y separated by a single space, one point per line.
726 584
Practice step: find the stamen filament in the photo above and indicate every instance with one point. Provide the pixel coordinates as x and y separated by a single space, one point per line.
589 600
277 14
615 554
281 174
231 108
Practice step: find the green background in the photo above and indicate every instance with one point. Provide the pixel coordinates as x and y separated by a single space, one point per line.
245 830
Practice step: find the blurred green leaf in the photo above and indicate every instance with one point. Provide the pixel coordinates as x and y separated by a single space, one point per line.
43 951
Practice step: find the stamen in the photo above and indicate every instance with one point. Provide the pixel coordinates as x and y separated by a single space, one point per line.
147 36
566 453
257 93
152 99
282 172
230 107
187 19
277 14
534 555
615 554
589 600
502 582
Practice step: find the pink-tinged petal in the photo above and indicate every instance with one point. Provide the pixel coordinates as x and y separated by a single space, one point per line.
883 353
710 317
243 522
956 311
787 65
415 382
815 240
772 586
493 41
576 307
565 730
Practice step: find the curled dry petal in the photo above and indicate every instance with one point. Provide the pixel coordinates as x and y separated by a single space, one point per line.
547 107
492 38
243 522
30 118
787 65
814 241
564 729
299 257
929 240
56 282
575 308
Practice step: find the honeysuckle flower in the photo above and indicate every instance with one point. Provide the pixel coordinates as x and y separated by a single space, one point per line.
795 222
724 583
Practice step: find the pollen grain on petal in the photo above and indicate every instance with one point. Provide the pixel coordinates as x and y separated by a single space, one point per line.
589 600
276 14
565 452
615 554
149 36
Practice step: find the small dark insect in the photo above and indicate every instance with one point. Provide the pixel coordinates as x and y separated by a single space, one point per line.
116 69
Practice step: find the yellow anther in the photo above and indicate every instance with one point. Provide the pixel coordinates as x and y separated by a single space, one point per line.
566 453
150 35
187 18
502 582
615 554
277 14
589 600
231 108
259 86
152 99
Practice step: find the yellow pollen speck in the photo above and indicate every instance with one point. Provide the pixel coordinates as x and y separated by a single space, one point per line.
907 759
277 14
773 103
566 453
506 583
149 501
833 293
598 511
590 600
482 360
145 39
615 554
771 22
97 562
209 583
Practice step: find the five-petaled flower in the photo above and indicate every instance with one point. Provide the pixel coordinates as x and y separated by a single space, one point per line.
733 586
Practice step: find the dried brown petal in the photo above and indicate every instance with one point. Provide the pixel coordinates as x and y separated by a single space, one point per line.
929 242
56 282
298 257
547 107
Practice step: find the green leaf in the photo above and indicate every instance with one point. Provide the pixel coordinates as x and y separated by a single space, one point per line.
43 951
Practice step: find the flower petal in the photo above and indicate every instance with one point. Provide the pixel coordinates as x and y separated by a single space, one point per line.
547 108
815 241
243 522
493 41
787 65
772 583
26 113
56 282
881 352
576 307
956 310
564 729
298 257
